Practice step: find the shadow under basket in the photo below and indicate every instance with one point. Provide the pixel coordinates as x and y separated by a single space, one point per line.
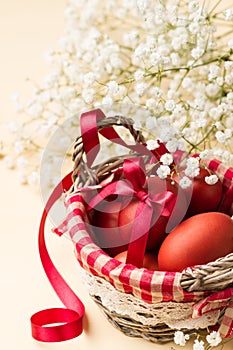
137 301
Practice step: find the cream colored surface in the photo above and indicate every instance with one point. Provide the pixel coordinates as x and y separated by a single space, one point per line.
27 29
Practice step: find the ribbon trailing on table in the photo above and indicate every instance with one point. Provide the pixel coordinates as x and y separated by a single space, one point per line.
57 324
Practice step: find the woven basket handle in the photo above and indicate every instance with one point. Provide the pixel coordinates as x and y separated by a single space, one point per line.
92 124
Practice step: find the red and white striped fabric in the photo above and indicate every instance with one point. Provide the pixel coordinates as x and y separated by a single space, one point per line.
149 286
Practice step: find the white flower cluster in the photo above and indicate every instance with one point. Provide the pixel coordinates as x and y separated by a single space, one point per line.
213 339
173 58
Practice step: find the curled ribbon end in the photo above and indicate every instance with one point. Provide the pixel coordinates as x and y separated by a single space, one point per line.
56 325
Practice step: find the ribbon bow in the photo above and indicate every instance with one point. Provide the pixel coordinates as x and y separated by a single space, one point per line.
149 205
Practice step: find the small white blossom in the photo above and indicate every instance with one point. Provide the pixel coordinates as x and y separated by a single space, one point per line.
214 71
107 100
151 103
35 110
142 5
192 172
228 14
180 338
172 145
204 155
185 182
14 126
152 144
19 147
187 83
22 162
112 88
170 105
8 162
220 136
212 90
198 345
88 95
197 52
166 159
140 88
229 79
156 92
193 162
138 75
89 79
211 180
175 58
34 179
163 171
230 43
194 6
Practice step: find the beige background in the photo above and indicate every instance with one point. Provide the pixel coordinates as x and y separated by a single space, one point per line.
27 29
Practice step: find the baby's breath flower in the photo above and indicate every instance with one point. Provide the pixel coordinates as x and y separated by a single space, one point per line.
206 154
163 171
197 52
211 180
152 144
185 182
192 162
140 88
194 6
198 345
214 338
9 162
192 172
88 95
220 136
228 14
170 105
33 179
180 338
166 159
138 75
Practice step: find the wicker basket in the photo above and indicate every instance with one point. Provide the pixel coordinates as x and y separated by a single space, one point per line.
142 309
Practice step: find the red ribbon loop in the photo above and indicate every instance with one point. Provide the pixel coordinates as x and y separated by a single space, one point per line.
46 325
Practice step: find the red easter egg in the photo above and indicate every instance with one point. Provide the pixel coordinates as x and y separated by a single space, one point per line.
160 225
179 210
204 197
149 262
104 225
198 240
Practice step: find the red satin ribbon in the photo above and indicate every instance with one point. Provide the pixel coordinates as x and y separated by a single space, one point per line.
57 324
